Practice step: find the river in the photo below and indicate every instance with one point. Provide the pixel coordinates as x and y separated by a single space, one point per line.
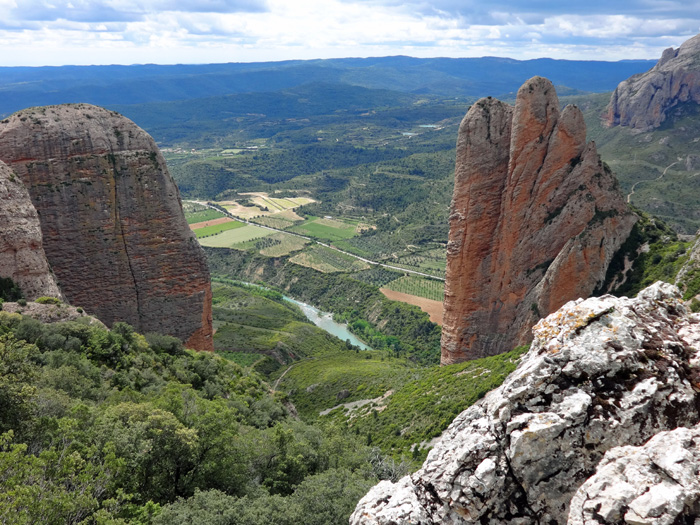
325 321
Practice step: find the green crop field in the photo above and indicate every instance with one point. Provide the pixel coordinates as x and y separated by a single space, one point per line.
329 229
230 238
412 285
202 215
328 261
216 229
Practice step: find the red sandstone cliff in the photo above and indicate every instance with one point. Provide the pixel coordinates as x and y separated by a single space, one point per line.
112 221
22 256
643 101
535 220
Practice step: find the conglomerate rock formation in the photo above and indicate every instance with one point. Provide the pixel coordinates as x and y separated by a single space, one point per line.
22 256
601 373
642 101
112 221
535 219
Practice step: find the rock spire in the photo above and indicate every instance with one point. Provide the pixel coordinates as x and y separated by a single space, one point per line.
535 219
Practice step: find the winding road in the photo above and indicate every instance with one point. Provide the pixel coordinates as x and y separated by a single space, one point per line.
634 186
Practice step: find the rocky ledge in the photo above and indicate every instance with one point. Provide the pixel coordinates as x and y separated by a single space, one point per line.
602 375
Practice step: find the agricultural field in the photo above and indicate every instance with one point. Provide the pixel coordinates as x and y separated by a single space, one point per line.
327 229
275 245
275 204
377 276
215 229
274 221
230 238
419 286
327 260
206 214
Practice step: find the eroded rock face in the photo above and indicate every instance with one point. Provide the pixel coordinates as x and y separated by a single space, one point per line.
601 373
642 101
22 256
112 221
655 484
535 219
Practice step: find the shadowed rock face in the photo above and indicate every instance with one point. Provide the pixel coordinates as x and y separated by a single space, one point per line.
112 221
535 220
642 101
22 255
602 373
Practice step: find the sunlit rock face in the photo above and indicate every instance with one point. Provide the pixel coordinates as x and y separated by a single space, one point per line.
535 219
111 217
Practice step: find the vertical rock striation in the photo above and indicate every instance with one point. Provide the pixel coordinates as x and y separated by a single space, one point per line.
112 221
535 220
642 101
22 256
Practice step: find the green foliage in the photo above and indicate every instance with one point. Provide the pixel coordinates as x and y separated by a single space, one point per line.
9 291
398 405
47 300
655 252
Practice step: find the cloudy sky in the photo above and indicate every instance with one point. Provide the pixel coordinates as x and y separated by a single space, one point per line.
56 32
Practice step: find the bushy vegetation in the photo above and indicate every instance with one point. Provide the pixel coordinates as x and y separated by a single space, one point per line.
389 402
101 426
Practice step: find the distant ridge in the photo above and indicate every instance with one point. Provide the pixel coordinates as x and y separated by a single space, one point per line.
21 87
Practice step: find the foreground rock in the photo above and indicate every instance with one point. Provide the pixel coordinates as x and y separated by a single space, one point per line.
655 484
22 256
643 101
113 228
601 373
535 219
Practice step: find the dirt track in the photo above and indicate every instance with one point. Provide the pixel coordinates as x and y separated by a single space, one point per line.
429 306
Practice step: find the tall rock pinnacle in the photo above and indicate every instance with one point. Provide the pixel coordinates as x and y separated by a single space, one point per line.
535 220
642 102
112 221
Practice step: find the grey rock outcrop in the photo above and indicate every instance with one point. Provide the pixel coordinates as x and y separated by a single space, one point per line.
642 102
601 373
22 256
535 220
113 227
654 484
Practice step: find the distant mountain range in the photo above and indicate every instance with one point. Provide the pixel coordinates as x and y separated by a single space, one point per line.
21 87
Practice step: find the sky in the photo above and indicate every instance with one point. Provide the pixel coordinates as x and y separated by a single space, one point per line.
82 32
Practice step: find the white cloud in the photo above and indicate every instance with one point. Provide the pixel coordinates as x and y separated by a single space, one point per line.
167 31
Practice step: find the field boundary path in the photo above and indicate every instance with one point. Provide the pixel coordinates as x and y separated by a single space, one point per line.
368 261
